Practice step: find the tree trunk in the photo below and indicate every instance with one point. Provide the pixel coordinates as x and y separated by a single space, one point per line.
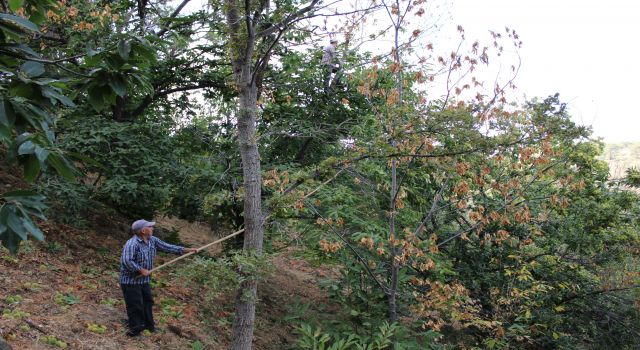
243 323
118 111
242 27
393 286
243 45
395 267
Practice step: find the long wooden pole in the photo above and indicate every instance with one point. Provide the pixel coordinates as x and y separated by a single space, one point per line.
235 233
197 251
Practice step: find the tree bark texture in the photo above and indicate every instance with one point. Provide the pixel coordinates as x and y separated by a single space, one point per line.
243 19
243 45
394 251
245 308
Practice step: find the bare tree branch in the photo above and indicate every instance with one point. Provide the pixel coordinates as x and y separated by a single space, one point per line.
158 94
432 211
287 21
171 18
596 292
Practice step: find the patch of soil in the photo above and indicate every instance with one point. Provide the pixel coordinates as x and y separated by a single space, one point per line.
10 176
194 234
69 283
66 288
65 285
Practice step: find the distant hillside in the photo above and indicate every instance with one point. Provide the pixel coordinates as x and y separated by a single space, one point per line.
621 156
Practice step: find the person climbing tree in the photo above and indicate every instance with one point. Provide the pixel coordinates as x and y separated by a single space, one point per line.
330 63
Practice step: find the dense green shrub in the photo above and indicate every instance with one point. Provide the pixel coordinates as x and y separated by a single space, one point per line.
130 166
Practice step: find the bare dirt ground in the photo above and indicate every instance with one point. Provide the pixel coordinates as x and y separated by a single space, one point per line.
66 289
195 234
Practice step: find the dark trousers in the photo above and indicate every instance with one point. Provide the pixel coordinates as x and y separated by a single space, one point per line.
139 302
328 70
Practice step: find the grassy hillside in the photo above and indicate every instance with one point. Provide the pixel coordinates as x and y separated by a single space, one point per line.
621 156
64 293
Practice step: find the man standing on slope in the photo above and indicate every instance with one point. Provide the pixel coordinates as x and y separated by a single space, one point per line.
135 265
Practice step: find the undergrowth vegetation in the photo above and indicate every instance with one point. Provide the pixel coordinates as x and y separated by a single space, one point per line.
430 219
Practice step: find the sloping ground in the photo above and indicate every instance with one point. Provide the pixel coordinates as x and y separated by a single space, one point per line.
195 234
65 291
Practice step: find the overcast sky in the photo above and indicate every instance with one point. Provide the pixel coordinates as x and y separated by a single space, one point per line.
588 51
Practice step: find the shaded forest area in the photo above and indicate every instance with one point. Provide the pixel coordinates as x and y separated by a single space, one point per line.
407 204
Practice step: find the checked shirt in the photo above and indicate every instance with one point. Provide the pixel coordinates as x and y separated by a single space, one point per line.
137 255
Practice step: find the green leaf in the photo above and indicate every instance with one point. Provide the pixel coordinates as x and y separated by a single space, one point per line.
109 97
45 81
12 152
42 118
6 63
143 83
62 166
124 48
118 85
32 69
8 30
143 48
95 97
5 133
55 95
14 5
14 224
50 135
23 195
27 147
22 90
37 15
23 49
90 51
28 203
18 21
7 115
31 168
31 198
93 61
41 153
32 228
